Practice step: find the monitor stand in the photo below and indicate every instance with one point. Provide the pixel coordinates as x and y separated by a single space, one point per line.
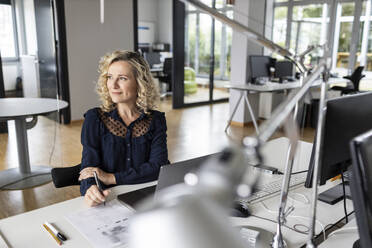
335 194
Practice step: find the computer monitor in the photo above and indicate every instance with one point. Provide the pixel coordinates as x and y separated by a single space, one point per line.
152 58
361 186
259 66
346 117
284 70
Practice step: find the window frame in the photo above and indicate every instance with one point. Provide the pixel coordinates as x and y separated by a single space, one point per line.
197 12
333 5
15 31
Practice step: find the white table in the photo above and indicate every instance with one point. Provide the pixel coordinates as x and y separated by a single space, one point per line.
18 109
344 238
269 86
25 229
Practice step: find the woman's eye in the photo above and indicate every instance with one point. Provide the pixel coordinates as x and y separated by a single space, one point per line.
122 78
109 77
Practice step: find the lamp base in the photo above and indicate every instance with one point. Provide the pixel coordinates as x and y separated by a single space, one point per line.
264 238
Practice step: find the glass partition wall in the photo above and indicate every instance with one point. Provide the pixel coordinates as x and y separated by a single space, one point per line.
207 50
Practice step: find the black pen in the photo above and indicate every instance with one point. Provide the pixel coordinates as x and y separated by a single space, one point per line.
99 186
55 231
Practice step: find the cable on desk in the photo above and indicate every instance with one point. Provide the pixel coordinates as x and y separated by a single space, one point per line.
273 221
344 191
297 216
299 172
334 224
342 229
307 201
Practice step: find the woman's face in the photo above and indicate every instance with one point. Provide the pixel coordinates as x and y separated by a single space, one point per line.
121 83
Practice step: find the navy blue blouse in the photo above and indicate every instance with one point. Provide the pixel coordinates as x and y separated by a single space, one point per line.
133 153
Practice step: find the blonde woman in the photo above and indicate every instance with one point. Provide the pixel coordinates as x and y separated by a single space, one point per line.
124 141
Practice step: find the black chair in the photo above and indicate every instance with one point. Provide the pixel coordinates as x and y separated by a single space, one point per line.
167 75
66 176
355 80
361 187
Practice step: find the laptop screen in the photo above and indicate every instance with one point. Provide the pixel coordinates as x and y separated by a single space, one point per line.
169 175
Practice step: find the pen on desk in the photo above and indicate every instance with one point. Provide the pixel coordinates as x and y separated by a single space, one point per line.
56 232
99 185
51 233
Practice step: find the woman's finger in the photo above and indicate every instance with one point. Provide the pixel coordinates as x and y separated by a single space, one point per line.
85 175
98 195
88 169
93 198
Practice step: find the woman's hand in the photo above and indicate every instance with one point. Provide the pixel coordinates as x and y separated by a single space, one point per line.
106 178
94 197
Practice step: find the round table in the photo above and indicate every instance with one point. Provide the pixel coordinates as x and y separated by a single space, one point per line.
18 109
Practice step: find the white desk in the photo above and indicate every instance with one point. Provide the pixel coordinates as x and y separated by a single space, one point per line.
244 89
24 230
344 238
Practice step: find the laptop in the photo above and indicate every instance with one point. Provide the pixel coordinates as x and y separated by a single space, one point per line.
169 175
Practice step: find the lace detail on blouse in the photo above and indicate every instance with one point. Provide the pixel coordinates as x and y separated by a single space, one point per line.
119 129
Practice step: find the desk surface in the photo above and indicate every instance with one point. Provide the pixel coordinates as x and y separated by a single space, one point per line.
273 86
345 236
11 108
21 230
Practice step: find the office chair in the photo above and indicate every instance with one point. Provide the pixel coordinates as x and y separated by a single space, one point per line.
167 75
66 176
361 187
355 79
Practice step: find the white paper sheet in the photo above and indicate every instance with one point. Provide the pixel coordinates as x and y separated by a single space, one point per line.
103 226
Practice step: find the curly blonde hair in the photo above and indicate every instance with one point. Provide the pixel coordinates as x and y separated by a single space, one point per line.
147 91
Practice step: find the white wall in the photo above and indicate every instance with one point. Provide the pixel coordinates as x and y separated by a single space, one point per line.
88 40
241 49
160 13
147 12
30 27
165 20
10 73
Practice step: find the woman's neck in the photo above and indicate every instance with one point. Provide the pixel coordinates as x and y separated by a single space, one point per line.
128 112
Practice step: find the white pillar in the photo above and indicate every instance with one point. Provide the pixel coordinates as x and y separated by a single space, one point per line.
251 13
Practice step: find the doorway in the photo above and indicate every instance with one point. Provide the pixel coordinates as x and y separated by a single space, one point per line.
202 47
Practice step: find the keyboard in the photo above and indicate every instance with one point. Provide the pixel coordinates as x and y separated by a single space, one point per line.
273 187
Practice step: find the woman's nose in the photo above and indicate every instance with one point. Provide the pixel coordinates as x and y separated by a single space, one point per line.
116 84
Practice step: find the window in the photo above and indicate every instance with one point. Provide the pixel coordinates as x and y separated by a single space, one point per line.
198 41
8 45
280 25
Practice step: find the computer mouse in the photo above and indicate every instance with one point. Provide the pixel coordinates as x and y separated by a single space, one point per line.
239 210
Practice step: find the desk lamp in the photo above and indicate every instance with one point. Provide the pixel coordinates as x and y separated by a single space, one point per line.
195 215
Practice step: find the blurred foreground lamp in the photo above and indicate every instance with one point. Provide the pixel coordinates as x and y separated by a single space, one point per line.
194 215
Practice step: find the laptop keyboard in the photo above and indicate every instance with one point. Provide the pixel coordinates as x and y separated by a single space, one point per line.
273 187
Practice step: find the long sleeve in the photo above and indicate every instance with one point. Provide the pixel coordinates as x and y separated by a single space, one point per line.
90 139
149 171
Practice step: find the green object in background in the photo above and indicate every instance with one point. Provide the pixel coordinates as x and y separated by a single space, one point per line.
189 80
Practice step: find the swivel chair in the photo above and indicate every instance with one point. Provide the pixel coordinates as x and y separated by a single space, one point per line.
355 79
167 75
66 176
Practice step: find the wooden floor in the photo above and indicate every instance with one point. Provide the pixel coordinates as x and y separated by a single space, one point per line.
192 132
